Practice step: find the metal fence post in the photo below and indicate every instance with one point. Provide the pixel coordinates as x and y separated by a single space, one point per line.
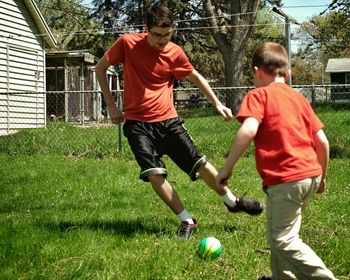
82 94
119 103
313 97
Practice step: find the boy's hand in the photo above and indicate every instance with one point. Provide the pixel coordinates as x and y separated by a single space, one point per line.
115 114
322 186
221 179
224 111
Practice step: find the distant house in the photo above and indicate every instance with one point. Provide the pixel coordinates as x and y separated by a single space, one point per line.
24 35
339 70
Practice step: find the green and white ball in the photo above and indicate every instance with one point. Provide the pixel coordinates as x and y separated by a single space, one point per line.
209 248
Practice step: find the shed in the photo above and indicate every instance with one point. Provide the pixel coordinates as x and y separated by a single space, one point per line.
339 70
73 93
24 36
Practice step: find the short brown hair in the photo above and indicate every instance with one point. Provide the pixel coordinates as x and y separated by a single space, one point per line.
160 16
272 58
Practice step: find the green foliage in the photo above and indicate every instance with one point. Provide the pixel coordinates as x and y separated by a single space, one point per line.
203 54
340 5
72 25
332 33
325 36
267 28
308 71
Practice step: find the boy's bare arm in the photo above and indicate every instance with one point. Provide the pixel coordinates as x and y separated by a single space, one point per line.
101 74
205 88
322 151
244 137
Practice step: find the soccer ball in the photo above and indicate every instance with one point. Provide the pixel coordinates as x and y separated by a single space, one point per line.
209 248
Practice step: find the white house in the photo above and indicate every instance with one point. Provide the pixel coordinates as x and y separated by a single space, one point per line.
24 35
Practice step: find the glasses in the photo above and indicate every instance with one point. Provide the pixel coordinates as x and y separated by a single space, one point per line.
159 36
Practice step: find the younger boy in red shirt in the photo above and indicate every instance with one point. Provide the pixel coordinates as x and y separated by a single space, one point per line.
292 154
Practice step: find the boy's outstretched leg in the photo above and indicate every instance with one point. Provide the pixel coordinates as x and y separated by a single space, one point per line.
233 203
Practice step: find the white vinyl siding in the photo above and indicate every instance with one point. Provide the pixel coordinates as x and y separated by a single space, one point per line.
22 69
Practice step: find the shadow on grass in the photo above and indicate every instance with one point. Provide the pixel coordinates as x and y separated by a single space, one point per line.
120 227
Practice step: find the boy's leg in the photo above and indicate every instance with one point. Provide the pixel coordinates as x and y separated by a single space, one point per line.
289 254
144 140
183 151
279 269
208 173
166 192
234 204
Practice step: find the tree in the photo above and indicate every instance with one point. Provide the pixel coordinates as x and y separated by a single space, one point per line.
325 36
267 28
231 24
71 24
214 33
330 33
340 5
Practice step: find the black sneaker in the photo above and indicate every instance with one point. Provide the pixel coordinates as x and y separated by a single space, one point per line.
265 278
185 229
250 206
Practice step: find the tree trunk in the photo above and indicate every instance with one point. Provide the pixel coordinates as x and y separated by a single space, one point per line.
233 78
231 36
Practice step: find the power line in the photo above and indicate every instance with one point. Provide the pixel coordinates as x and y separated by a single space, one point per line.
304 6
133 29
123 31
138 28
87 6
197 19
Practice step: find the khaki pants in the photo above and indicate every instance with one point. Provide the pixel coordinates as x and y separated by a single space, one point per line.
291 258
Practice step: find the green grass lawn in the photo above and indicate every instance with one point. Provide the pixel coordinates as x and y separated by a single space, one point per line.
72 218
72 207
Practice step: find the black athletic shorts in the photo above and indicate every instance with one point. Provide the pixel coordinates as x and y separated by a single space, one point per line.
149 141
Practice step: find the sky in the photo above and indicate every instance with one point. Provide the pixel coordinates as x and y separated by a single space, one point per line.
301 11
304 10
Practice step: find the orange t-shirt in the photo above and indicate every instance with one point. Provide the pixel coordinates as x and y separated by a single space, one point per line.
149 76
284 146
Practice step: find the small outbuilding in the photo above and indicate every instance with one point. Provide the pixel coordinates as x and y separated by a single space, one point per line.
339 70
73 92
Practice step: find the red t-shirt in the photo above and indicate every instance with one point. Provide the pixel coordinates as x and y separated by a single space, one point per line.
284 146
149 76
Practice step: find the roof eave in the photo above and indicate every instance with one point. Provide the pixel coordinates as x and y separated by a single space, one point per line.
337 71
41 23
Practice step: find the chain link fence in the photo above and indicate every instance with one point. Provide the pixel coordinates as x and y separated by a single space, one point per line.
76 123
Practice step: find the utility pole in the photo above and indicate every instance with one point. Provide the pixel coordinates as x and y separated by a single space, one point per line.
288 20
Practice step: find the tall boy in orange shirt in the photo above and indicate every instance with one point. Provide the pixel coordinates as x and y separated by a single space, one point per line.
151 64
292 154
